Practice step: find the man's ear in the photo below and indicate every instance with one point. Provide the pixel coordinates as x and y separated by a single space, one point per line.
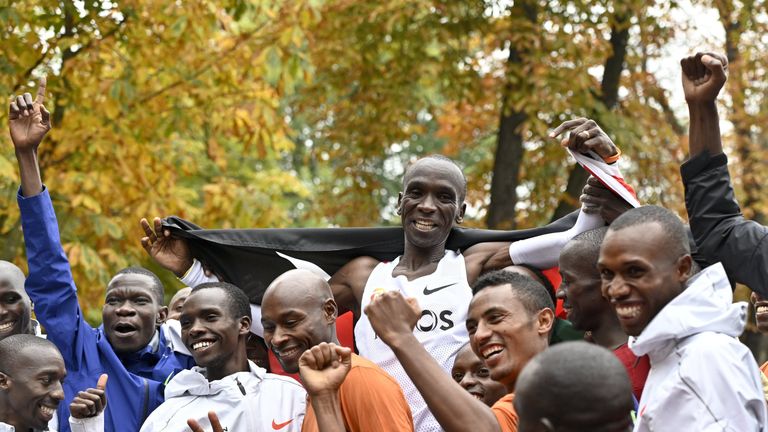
684 268
546 319
5 381
330 311
399 210
162 315
462 210
245 326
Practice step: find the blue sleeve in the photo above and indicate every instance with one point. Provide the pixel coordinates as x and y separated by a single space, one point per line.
50 285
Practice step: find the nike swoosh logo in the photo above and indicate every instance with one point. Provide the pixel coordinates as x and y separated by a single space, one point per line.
428 291
278 426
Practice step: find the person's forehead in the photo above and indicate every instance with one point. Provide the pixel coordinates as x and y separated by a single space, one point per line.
7 285
38 359
431 170
492 298
133 281
466 358
207 298
645 241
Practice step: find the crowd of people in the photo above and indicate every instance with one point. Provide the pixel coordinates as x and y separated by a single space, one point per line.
444 340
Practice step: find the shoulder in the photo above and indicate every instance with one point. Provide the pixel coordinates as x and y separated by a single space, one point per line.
713 357
505 412
365 377
283 382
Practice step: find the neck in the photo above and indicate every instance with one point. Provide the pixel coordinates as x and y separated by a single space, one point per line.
415 258
7 417
237 363
609 334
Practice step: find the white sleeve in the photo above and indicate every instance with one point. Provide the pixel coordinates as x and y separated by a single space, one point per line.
89 424
544 251
196 276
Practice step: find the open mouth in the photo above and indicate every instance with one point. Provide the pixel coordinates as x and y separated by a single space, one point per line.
627 312
4 327
46 411
760 309
424 225
125 329
290 353
477 394
202 345
491 354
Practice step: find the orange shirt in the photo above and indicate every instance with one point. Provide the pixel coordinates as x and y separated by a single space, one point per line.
505 413
371 400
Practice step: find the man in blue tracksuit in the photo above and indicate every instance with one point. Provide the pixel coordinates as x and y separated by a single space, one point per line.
129 346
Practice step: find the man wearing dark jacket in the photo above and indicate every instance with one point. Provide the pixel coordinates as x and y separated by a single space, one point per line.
720 230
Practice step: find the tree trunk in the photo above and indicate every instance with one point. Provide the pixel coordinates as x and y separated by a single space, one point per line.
509 145
609 87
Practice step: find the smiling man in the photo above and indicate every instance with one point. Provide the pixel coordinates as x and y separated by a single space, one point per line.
509 321
31 373
471 373
128 347
298 312
702 377
215 323
587 310
15 306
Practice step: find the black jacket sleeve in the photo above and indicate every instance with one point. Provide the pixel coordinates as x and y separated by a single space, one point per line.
720 230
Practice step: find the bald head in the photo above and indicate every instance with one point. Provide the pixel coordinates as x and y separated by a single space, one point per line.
569 372
297 312
440 163
299 283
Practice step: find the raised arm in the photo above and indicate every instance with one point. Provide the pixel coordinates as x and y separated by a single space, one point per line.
49 285
348 283
323 369
393 318
719 229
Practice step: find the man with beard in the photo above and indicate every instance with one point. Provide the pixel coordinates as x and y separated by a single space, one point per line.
701 377
298 312
128 346
587 310
31 374
215 323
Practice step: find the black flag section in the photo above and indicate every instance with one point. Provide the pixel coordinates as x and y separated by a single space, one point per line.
248 258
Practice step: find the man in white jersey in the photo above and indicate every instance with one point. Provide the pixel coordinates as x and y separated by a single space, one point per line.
431 202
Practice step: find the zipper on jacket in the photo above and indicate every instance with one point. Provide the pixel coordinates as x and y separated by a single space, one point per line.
242 389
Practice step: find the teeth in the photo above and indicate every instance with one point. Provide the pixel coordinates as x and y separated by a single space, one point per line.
47 411
491 350
760 310
422 225
627 311
201 345
6 326
288 353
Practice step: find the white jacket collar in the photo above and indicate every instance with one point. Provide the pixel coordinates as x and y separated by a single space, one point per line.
193 381
705 305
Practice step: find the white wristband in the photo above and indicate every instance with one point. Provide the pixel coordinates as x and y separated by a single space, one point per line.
196 275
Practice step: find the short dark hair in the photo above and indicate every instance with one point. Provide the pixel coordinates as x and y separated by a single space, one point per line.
569 371
237 302
676 238
442 158
542 279
531 294
589 243
158 290
12 346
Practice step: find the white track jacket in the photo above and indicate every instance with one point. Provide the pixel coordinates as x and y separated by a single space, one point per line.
702 378
253 401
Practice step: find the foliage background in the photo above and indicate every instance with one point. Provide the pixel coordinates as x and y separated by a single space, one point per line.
266 113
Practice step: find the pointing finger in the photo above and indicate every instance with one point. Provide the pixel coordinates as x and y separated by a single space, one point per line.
41 90
566 125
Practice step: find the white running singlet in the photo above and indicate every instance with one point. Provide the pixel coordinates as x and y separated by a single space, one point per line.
444 297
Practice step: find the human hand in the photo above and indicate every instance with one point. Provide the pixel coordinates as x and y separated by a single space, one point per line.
28 120
170 252
324 367
704 74
585 135
212 417
91 402
392 316
598 199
